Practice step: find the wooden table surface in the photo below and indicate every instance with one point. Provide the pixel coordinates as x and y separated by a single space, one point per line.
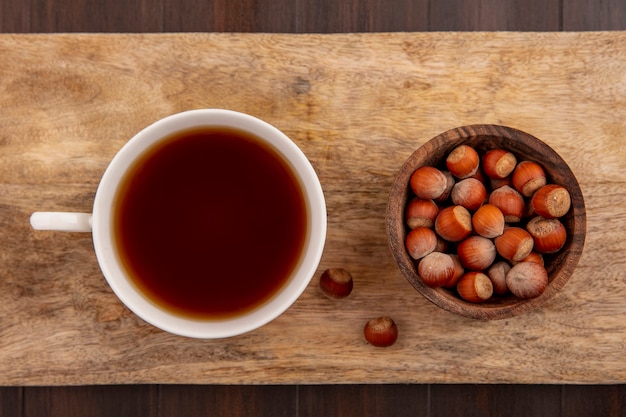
358 105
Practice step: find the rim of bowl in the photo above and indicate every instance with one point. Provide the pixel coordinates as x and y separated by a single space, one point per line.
560 266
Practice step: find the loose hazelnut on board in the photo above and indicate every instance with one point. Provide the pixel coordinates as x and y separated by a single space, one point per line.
488 221
514 244
528 177
510 202
463 161
476 253
527 280
436 269
475 287
497 274
381 332
420 242
428 183
421 212
499 163
469 193
551 201
549 235
453 223
336 283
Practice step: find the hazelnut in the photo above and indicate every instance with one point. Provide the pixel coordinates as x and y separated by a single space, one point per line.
510 202
529 210
528 177
453 223
475 287
527 280
496 183
446 193
463 161
428 183
497 274
471 206
535 257
478 175
551 201
436 269
421 212
458 272
336 283
420 242
514 244
381 332
476 253
469 193
488 221
549 235
442 245
498 163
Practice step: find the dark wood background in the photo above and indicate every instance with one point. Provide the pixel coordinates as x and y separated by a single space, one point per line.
320 16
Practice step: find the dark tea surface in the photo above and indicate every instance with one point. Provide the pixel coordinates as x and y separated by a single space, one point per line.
210 223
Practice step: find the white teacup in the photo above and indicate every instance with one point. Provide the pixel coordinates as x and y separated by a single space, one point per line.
101 224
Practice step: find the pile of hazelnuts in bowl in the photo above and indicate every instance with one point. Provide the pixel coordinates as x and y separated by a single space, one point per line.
486 221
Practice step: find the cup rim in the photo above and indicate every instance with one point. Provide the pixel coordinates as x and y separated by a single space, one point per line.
132 297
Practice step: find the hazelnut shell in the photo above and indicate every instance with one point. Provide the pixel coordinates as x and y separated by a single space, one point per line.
420 242
436 269
475 287
498 163
549 235
463 161
428 182
551 201
381 332
510 202
453 223
336 283
488 221
527 280
514 244
476 253
528 177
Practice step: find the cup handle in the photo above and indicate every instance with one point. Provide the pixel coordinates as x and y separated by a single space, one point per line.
61 221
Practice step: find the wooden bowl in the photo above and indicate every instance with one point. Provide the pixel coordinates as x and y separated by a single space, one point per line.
560 266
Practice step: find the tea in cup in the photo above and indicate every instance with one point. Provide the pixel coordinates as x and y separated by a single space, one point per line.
208 223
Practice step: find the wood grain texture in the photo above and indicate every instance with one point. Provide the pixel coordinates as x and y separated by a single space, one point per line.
11 401
585 400
357 118
328 16
14 17
216 400
229 16
96 16
513 15
594 15
495 400
363 400
91 401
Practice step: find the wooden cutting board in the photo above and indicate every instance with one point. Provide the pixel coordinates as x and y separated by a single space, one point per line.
358 105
